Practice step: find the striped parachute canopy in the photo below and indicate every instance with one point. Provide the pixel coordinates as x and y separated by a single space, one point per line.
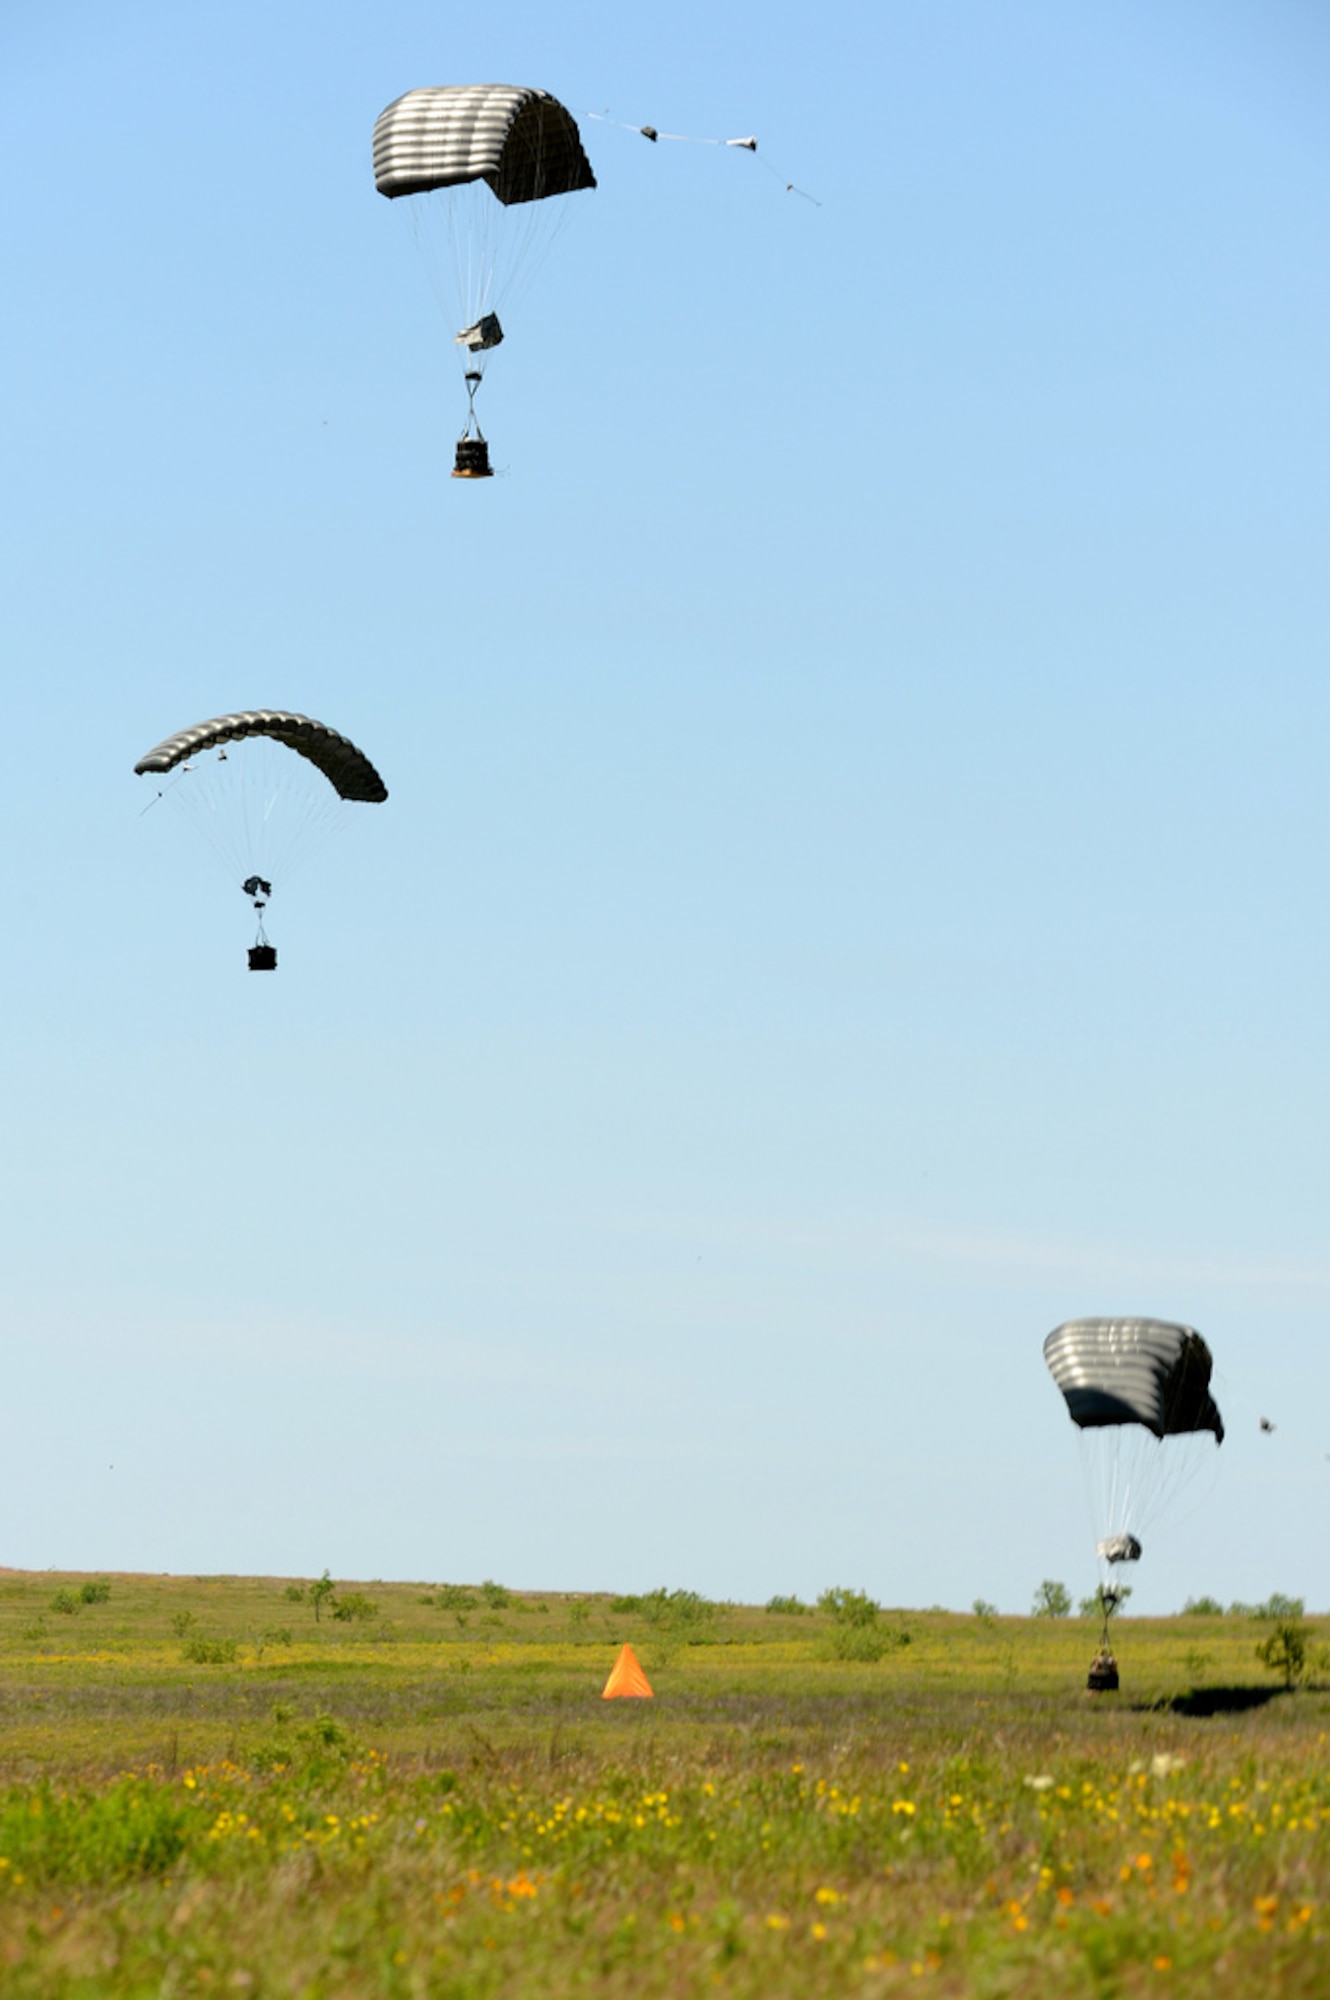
1134 1371
522 143
1138 1392
488 167
347 769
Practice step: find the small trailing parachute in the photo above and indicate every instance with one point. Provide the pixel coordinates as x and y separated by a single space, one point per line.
261 786
486 167
1138 1391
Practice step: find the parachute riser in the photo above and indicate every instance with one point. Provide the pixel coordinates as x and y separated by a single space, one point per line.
471 460
262 954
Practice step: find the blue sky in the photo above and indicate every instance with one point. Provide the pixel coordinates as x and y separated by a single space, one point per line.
853 892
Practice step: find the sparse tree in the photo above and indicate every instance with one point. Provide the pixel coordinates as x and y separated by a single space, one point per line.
1051 1600
319 1593
1285 1650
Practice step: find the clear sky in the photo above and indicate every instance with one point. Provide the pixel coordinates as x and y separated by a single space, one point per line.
854 887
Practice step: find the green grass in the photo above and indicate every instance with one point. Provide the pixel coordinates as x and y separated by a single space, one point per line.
204 1789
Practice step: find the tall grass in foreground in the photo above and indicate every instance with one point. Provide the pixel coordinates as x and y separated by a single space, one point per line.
438 1817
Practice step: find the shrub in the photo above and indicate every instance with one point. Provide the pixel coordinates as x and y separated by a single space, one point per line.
202 1652
983 1610
323 1740
66 1603
1279 1608
95 1591
1051 1600
294 1593
787 1607
672 1610
319 1746
859 1642
181 1623
1202 1607
1285 1650
849 1607
454 1597
676 1609
275 1635
355 1608
495 1596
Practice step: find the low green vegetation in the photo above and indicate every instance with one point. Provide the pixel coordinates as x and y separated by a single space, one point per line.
206 1790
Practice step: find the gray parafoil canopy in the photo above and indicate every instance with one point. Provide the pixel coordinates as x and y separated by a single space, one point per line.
1138 1392
261 786
521 142
488 168
347 769
1134 1371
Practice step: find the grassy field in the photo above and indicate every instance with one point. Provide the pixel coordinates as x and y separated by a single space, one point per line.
208 1789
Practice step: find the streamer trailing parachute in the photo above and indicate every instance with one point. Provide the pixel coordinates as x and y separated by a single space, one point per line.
487 166
261 785
1138 1391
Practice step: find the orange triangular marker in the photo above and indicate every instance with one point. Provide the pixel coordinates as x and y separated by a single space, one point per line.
627 1678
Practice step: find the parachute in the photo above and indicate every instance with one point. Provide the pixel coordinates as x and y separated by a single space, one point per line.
1138 1391
490 164
262 803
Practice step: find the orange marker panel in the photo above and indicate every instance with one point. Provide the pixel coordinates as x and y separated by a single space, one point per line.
627 1678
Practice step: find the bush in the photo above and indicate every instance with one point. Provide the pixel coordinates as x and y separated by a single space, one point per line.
294 1593
676 1610
787 1607
1051 1600
355 1608
96 1591
849 1607
66 1603
454 1597
202 1652
859 1642
1285 1650
1278 1608
1202 1607
984 1611
181 1622
495 1596
317 1748
274 1635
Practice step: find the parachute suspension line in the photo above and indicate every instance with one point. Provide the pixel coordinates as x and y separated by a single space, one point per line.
257 805
479 255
